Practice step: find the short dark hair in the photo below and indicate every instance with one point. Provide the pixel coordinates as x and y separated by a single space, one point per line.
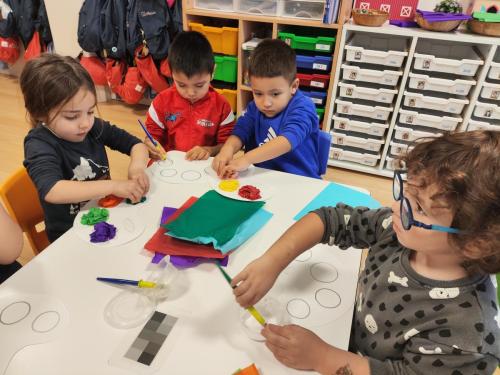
465 166
51 81
273 58
191 54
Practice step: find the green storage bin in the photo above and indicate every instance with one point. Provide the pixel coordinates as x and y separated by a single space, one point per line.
320 112
226 68
319 44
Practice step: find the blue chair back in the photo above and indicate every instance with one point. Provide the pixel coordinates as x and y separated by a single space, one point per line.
324 144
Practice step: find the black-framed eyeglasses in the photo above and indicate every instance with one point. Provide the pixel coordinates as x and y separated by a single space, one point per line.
406 212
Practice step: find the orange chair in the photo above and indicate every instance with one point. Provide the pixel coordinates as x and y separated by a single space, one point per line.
20 198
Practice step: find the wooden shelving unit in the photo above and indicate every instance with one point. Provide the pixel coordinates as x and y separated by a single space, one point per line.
248 24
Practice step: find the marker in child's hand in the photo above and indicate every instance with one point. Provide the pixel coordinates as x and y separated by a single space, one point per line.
138 283
252 310
153 141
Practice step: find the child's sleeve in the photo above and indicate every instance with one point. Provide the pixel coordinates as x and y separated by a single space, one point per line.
358 227
114 137
227 124
244 128
299 124
155 121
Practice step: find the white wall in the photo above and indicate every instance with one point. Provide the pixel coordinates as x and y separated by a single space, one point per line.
63 19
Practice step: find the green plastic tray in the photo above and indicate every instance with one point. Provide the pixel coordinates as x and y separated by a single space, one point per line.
320 43
226 68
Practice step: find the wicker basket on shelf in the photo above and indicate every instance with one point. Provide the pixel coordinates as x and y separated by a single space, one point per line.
437 26
370 17
484 28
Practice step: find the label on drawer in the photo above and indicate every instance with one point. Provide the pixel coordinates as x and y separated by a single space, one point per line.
320 66
426 64
317 101
495 94
323 47
317 84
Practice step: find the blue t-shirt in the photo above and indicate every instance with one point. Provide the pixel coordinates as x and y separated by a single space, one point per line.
298 123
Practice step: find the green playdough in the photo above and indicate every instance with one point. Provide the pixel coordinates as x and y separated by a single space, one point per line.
143 199
94 216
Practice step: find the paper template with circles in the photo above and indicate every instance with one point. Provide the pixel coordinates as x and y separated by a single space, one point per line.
28 319
177 170
126 219
318 286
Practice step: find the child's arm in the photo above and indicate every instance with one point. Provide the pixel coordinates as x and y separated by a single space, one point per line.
12 238
203 152
232 145
270 150
138 164
301 349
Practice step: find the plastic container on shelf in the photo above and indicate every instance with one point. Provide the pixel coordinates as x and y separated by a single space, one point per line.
223 5
319 44
355 109
321 113
382 77
319 81
356 157
226 68
318 97
453 58
222 39
370 128
365 143
230 95
265 7
408 134
322 63
310 9
487 110
367 92
397 149
421 118
377 49
390 163
247 48
482 125
490 91
449 86
435 102
494 72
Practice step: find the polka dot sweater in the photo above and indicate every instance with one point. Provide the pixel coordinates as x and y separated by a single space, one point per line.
405 323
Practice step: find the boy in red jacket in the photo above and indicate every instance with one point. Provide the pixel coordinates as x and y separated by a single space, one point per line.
190 116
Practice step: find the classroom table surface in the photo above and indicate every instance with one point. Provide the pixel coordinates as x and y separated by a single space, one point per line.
208 338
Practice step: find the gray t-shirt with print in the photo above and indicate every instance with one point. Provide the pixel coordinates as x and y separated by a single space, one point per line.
405 323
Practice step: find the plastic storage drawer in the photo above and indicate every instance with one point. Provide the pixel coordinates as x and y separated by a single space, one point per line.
435 103
311 9
320 43
319 81
449 86
487 110
230 96
369 144
321 113
226 68
408 134
356 157
373 93
371 128
447 58
267 7
224 5
494 72
491 91
397 149
447 123
323 63
390 163
480 125
382 77
222 39
375 112
318 97
371 49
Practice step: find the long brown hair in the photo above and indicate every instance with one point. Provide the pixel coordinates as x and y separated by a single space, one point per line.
465 166
49 82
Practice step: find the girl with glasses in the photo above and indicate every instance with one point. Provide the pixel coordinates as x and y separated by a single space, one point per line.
426 301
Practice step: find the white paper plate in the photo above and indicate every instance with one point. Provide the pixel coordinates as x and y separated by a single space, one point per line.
125 219
177 170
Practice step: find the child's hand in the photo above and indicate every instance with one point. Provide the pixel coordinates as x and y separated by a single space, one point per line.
234 166
295 346
154 153
221 160
139 175
128 189
254 281
198 153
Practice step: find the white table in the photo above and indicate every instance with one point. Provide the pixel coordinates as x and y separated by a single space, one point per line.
210 342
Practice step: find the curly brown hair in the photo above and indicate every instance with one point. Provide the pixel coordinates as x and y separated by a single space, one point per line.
465 166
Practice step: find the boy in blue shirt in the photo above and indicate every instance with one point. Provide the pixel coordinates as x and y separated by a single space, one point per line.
280 128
